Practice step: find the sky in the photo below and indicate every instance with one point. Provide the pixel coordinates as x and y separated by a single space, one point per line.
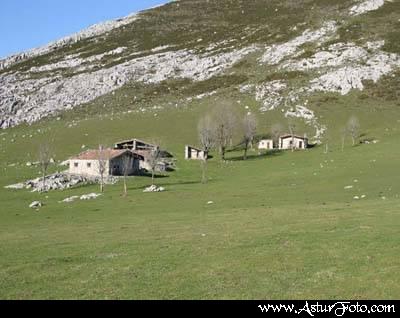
26 24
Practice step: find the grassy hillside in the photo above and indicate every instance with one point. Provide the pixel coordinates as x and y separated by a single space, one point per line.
281 225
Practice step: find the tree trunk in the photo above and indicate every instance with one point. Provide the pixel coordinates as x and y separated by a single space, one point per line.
245 151
223 153
204 171
292 143
101 183
343 144
354 140
152 177
44 180
125 187
326 148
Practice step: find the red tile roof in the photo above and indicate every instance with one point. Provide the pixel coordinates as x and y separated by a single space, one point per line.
107 154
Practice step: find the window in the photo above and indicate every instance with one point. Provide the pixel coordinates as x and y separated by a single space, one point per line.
76 164
89 164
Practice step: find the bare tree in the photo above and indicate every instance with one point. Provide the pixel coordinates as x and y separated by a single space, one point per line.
101 165
249 132
292 128
206 131
154 158
225 122
343 133
325 137
276 132
127 165
353 128
44 157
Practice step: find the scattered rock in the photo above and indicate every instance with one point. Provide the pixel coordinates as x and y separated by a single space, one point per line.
17 186
154 188
36 205
57 181
70 199
90 196
348 187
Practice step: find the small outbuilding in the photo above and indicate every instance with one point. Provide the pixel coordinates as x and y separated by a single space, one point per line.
266 144
88 163
135 144
193 153
293 142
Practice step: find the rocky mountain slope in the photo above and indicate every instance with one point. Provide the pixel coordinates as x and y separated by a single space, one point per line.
278 53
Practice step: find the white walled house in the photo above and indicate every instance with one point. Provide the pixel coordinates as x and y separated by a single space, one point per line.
267 144
87 163
192 153
293 142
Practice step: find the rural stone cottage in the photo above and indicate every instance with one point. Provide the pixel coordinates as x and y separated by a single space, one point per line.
293 142
192 153
143 149
266 144
87 163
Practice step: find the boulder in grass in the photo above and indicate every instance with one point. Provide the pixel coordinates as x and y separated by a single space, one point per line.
36 205
154 188
90 196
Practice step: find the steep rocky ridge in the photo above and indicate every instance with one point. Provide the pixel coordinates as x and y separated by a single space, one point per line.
335 47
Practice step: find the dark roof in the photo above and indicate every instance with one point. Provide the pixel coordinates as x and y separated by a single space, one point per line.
195 148
295 136
132 140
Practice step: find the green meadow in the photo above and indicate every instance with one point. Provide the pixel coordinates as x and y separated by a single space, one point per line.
280 225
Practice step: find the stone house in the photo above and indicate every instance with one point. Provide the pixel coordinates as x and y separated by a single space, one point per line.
192 153
293 142
144 163
87 163
266 144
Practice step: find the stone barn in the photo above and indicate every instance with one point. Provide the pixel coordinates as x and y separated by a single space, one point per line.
266 144
87 163
192 153
134 144
293 142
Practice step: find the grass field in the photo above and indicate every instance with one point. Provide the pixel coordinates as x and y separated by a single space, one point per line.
280 226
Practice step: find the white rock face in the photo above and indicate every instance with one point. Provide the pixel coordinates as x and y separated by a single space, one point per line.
48 96
366 6
270 94
74 61
336 55
276 53
344 79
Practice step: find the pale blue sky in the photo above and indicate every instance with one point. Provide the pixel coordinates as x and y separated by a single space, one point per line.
26 24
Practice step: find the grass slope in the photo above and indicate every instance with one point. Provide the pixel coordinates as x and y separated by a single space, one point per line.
281 226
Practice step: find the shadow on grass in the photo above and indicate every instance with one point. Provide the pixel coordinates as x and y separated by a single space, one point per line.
270 153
